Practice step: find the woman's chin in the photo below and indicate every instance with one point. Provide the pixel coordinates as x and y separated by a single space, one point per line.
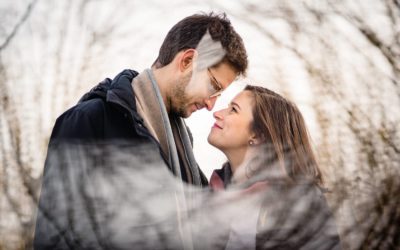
212 141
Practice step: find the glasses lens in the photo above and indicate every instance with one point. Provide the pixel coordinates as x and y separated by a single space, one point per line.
215 84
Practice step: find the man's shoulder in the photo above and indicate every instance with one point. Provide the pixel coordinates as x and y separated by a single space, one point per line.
89 108
76 123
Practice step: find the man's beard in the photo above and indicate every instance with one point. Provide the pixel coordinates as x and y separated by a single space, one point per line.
178 99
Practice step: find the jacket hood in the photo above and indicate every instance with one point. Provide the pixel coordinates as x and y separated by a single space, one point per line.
119 90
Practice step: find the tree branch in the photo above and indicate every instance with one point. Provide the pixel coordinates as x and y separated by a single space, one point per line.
16 28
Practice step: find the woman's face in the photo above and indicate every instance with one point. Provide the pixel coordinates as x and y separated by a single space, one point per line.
231 129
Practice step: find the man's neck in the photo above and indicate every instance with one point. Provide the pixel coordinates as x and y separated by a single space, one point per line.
164 80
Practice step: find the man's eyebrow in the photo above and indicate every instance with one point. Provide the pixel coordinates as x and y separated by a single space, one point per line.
237 105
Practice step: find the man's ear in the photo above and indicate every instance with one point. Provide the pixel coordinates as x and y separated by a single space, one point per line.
187 59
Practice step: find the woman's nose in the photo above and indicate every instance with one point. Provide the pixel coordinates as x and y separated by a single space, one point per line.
218 115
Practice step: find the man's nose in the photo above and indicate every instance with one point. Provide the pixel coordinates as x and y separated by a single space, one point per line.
210 103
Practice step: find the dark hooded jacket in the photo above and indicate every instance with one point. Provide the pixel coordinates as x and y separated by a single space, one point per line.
101 138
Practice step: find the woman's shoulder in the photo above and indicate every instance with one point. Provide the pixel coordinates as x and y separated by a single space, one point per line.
297 215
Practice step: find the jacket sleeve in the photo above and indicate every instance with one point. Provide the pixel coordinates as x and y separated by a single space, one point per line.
60 197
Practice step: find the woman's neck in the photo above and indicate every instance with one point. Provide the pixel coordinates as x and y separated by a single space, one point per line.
238 160
235 158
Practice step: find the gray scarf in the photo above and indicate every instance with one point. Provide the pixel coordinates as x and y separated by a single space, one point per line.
170 131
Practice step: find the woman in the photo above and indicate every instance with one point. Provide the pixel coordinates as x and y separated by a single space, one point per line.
269 155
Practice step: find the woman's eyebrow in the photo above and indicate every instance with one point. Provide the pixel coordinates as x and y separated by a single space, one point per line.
237 105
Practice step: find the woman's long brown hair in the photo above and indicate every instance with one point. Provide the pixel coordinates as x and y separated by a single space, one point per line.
279 122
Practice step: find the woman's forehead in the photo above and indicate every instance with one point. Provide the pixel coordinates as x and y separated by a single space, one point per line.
243 98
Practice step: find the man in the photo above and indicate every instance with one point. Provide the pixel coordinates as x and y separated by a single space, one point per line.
131 123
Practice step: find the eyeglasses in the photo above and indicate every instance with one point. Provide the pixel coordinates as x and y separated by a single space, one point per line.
215 84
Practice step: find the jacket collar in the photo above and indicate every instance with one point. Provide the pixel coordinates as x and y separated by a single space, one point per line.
220 178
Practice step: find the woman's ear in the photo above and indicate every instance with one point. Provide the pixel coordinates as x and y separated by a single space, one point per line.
256 139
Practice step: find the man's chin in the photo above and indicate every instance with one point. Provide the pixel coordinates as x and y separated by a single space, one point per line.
186 114
183 113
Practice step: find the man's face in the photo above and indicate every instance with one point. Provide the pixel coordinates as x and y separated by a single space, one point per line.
195 90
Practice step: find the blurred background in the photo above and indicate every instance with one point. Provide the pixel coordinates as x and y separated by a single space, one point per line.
339 61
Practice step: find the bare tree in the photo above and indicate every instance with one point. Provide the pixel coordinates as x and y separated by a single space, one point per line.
47 58
352 65
349 57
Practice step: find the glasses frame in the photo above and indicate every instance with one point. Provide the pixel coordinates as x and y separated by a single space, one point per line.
215 84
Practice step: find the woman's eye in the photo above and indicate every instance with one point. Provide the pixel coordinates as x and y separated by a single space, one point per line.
233 109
